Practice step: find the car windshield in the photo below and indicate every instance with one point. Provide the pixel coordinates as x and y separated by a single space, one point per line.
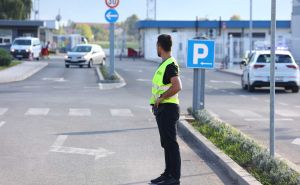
22 42
82 49
280 59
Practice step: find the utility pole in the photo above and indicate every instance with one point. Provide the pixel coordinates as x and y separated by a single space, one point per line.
272 80
251 27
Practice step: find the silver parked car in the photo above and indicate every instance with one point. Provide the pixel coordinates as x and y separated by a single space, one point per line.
85 54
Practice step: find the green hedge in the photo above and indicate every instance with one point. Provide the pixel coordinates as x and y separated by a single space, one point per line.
245 151
5 58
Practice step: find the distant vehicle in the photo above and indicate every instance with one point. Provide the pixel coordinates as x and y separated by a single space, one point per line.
256 73
26 47
85 54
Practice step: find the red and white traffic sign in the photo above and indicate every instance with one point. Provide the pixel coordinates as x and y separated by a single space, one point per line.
112 3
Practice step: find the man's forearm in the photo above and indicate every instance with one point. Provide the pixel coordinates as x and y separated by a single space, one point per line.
170 92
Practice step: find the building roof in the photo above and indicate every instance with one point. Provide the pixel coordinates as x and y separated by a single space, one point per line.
21 23
210 24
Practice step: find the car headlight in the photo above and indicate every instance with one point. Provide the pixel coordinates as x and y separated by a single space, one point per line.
66 56
28 50
12 50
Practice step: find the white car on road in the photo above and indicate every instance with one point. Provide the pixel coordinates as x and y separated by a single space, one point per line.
85 54
257 72
26 47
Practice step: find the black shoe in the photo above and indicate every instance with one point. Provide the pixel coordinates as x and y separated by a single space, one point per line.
170 181
159 179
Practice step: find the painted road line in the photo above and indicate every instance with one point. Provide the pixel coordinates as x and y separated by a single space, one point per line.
31 87
60 87
60 140
2 123
245 113
54 79
235 83
287 113
283 104
296 141
3 111
267 119
121 112
37 112
80 112
58 147
100 86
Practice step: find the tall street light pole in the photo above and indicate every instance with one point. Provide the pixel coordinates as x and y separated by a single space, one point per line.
272 80
251 27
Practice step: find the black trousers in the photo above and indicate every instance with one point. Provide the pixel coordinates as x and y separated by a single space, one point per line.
167 116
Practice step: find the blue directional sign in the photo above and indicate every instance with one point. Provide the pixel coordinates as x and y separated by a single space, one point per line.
111 15
201 54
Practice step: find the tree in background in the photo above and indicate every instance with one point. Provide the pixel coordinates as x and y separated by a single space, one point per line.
100 33
235 17
15 9
130 26
86 31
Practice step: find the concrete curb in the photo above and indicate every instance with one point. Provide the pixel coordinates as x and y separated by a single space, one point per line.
229 72
106 84
241 176
22 75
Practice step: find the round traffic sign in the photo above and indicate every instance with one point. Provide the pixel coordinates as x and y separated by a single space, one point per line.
112 3
111 15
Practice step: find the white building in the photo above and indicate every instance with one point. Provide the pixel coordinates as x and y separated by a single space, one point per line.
231 37
295 29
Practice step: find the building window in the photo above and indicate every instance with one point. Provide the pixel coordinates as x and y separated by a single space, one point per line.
5 36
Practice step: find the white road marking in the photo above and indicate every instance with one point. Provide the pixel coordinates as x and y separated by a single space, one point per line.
287 113
3 111
296 141
2 123
283 104
121 112
235 83
37 112
143 80
58 147
100 86
60 87
209 86
31 87
215 88
80 112
144 107
245 113
60 140
267 119
54 79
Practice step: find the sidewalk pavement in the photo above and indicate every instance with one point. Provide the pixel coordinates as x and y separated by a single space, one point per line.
21 71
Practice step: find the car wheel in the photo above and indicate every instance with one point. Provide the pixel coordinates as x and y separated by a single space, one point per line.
251 88
295 89
244 86
90 64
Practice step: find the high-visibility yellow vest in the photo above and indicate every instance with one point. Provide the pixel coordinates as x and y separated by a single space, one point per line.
158 87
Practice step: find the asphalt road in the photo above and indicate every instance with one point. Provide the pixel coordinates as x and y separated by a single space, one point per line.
59 128
248 112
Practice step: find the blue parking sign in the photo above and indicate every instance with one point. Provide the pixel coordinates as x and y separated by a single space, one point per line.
201 54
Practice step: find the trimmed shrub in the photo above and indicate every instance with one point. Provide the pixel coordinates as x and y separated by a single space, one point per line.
245 151
5 58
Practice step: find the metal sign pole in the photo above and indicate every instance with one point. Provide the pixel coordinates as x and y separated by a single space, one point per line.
201 89
111 48
272 80
195 90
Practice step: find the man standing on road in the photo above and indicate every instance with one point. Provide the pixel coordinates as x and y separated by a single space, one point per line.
165 105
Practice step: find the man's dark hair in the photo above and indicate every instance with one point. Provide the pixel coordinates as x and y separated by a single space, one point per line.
165 41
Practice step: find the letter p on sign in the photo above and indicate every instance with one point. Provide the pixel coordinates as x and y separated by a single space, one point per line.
201 54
